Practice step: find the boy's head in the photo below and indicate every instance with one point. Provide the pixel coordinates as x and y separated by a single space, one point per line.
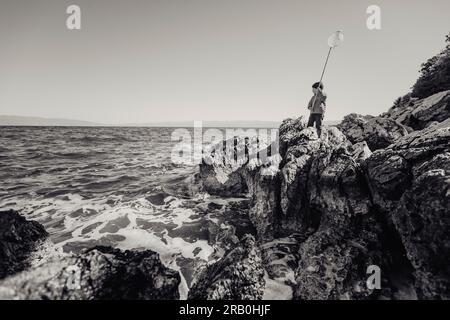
317 85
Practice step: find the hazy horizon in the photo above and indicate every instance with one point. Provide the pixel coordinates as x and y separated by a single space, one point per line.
170 61
12 120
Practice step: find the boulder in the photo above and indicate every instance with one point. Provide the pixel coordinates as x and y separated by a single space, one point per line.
418 114
100 273
239 275
377 132
222 171
18 238
301 151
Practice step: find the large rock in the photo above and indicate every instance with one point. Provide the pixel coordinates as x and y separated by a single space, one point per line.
320 194
98 273
410 184
419 114
342 232
378 132
249 168
223 167
18 238
301 149
264 190
239 275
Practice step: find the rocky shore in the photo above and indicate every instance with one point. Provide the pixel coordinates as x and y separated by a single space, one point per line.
98 273
371 191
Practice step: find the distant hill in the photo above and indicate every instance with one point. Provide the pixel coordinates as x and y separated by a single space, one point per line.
38 121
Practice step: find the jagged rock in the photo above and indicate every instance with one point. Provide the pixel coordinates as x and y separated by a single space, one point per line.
410 183
296 170
98 273
377 132
360 151
264 203
290 133
251 168
333 260
418 114
222 180
239 275
18 238
222 171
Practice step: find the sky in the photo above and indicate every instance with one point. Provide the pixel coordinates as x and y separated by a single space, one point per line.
183 60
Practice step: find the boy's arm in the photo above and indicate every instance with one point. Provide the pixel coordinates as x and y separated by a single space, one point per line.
323 105
324 97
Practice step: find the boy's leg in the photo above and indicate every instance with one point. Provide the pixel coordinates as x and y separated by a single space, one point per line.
319 124
311 120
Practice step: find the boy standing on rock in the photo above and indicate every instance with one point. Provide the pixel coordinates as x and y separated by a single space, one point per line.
317 106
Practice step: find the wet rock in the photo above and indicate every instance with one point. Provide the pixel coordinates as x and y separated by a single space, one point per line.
223 167
377 132
280 258
96 274
239 275
18 238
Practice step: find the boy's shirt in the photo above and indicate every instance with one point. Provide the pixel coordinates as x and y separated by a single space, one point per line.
320 103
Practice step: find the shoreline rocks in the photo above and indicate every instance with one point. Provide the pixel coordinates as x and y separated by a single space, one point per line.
18 239
99 273
239 275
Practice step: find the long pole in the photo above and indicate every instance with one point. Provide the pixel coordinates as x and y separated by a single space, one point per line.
326 63
321 77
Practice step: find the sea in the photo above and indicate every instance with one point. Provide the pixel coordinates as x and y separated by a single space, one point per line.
117 186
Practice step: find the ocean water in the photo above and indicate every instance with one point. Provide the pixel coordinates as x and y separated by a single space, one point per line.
115 186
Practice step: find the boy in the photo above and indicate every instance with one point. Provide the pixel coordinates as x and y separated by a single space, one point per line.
317 106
